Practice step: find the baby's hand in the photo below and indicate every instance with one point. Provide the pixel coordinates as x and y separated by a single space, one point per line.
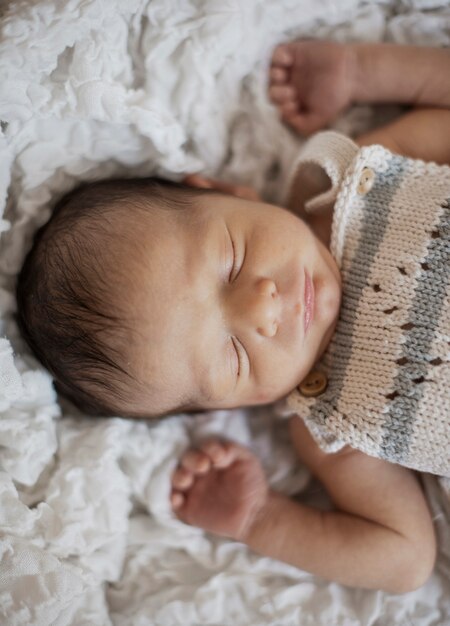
240 191
311 82
221 488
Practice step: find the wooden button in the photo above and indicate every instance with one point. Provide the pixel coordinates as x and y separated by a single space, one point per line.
366 181
314 384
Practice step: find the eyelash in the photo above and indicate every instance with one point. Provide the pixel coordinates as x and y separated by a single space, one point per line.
236 343
238 352
233 265
233 268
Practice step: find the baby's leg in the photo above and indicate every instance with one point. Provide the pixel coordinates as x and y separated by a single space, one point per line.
221 488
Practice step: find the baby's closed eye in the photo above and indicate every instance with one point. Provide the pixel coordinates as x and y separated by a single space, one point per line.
236 260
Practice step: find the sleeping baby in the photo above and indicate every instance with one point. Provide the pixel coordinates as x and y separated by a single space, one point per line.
146 298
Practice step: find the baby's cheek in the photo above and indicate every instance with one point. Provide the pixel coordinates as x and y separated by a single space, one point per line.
274 388
264 397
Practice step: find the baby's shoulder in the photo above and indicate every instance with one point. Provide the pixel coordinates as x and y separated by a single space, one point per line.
310 452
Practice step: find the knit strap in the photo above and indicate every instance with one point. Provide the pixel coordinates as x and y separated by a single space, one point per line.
320 168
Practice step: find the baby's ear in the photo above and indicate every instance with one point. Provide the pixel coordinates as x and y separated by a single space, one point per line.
240 191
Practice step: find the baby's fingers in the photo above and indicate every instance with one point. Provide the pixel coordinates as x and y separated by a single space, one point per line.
224 453
240 191
278 75
305 123
195 461
280 94
182 479
283 56
177 500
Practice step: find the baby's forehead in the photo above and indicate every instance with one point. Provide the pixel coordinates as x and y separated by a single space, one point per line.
161 306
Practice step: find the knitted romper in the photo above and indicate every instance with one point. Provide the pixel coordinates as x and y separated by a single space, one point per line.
388 363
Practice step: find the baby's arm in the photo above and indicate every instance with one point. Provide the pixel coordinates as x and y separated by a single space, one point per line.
422 133
380 535
312 82
402 74
411 75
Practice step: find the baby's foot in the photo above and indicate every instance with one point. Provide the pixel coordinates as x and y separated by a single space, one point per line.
310 82
221 488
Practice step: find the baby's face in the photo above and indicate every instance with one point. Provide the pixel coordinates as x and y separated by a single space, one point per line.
237 301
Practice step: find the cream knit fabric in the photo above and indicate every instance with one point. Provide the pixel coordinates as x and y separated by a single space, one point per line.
388 363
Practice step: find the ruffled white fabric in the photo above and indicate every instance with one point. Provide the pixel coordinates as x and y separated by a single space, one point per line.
90 89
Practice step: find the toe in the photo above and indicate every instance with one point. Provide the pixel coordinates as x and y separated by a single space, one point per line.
282 55
195 461
182 478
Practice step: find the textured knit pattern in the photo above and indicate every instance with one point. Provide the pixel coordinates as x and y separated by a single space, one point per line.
388 363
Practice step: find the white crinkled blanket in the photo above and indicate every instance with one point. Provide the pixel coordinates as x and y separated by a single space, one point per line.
94 88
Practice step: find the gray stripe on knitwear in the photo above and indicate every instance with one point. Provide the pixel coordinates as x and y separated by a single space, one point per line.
424 314
373 227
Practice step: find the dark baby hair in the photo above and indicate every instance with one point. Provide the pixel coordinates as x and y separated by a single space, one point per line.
64 288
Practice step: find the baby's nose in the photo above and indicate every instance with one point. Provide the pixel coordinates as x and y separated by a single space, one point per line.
266 307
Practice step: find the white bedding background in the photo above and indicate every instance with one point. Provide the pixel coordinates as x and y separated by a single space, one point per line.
95 88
